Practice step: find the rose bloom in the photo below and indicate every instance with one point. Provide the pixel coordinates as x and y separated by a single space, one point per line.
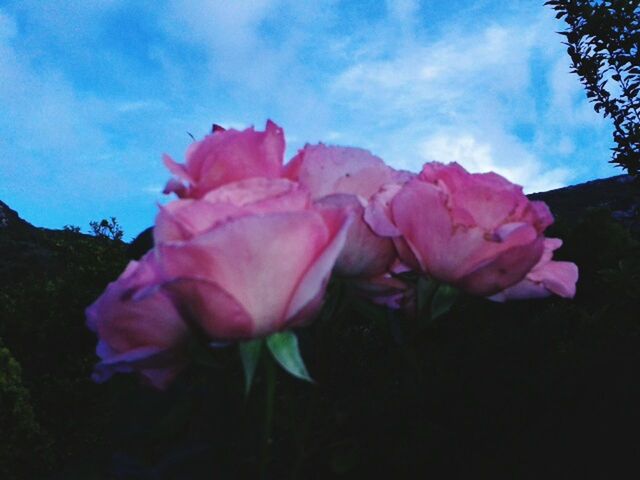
478 232
138 326
249 259
325 170
346 177
227 156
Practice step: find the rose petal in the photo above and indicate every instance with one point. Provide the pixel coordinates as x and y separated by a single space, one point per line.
365 254
325 170
317 275
258 260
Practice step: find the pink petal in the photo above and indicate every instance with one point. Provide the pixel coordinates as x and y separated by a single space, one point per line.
258 260
419 212
178 169
183 219
326 170
378 211
209 306
262 195
126 322
138 326
157 367
486 198
175 186
231 155
468 256
316 276
384 290
365 254
540 215
545 278
558 277
505 269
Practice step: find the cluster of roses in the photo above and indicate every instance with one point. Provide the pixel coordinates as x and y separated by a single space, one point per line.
249 246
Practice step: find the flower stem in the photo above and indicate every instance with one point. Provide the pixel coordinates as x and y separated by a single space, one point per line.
270 370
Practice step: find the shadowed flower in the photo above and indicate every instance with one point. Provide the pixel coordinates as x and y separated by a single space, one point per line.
139 328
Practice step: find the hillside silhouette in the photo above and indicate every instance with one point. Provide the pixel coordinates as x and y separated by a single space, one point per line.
529 389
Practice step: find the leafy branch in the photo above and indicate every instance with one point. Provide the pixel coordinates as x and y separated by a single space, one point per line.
603 40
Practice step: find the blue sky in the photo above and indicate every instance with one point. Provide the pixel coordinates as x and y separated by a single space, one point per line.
93 92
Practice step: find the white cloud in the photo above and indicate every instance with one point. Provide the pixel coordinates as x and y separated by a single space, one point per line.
255 60
568 102
504 156
41 108
334 135
155 190
450 75
139 105
475 96
234 40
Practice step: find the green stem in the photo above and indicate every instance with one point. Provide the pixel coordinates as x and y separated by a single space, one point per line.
270 370
302 433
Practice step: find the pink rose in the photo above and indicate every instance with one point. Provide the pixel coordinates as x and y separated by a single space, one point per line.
365 254
547 277
139 328
345 177
249 259
325 170
227 156
478 232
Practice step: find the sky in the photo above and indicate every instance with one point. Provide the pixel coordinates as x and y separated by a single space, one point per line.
93 92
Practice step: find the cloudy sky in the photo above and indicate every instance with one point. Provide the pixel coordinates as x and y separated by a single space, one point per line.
92 92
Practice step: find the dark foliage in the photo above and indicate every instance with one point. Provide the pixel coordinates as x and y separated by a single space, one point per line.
106 229
619 195
22 435
47 279
141 244
532 389
603 42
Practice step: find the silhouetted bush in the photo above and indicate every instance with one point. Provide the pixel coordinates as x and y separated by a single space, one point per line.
528 389
42 323
22 436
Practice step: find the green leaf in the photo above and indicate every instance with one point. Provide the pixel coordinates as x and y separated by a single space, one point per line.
443 300
284 348
425 289
250 355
